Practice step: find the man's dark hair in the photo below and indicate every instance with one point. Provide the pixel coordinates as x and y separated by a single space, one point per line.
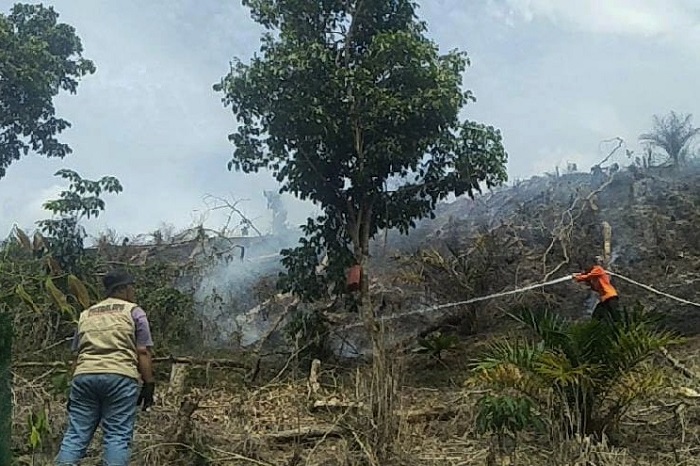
116 281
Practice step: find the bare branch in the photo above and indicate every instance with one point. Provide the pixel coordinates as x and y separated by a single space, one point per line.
232 207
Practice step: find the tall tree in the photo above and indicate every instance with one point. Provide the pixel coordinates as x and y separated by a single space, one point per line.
351 106
674 134
39 57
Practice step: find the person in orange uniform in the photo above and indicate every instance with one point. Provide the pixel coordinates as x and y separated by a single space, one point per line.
599 281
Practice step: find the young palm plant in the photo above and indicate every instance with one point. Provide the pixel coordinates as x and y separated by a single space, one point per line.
586 373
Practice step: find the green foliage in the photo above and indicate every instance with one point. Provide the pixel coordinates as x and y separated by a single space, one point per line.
302 262
60 383
171 314
351 106
673 134
42 302
436 344
64 234
39 57
38 426
45 303
588 372
309 332
506 415
6 335
172 318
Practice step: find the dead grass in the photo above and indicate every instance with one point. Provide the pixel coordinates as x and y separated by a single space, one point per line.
277 424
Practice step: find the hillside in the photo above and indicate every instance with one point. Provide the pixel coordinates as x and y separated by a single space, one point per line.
550 226
264 405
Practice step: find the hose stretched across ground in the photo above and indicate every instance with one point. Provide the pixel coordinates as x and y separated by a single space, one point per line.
522 290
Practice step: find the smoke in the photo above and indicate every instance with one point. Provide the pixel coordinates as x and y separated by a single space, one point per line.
232 276
225 290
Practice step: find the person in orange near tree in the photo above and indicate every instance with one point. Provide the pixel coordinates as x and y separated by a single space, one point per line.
599 281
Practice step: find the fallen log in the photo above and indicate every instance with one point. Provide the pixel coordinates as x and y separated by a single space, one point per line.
305 433
40 364
434 413
227 363
335 405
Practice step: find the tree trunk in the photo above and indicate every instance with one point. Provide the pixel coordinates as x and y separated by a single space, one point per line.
383 378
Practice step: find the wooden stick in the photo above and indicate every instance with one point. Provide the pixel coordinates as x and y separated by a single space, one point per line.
228 363
676 364
304 433
440 413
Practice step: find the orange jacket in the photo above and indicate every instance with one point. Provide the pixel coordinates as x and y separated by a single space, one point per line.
599 281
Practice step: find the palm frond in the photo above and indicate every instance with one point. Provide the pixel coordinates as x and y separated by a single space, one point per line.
559 371
591 339
510 365
630 387
595 368
520 353
672 134
550 327
638 384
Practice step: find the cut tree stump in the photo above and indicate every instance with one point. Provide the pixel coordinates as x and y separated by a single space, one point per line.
178 433
178 379
313 385
180 429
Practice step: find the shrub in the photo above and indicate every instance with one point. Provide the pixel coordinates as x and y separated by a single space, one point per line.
308 332
588 373
504 415
436 344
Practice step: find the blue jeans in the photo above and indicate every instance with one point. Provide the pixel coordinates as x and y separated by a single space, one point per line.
108 399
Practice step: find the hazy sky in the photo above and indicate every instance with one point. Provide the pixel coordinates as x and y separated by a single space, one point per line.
557 76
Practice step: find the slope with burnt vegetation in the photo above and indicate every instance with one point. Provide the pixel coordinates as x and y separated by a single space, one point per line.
548 227
523 404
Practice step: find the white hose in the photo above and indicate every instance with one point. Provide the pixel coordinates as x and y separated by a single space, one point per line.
653 290
468 301
517 291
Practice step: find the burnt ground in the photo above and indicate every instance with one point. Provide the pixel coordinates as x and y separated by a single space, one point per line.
544 227
239 424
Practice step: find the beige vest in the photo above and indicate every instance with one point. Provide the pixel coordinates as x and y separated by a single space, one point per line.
107 336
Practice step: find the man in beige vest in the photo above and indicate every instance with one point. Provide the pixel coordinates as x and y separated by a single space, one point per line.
113 344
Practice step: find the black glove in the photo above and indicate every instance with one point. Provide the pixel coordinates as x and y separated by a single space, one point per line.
146 396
